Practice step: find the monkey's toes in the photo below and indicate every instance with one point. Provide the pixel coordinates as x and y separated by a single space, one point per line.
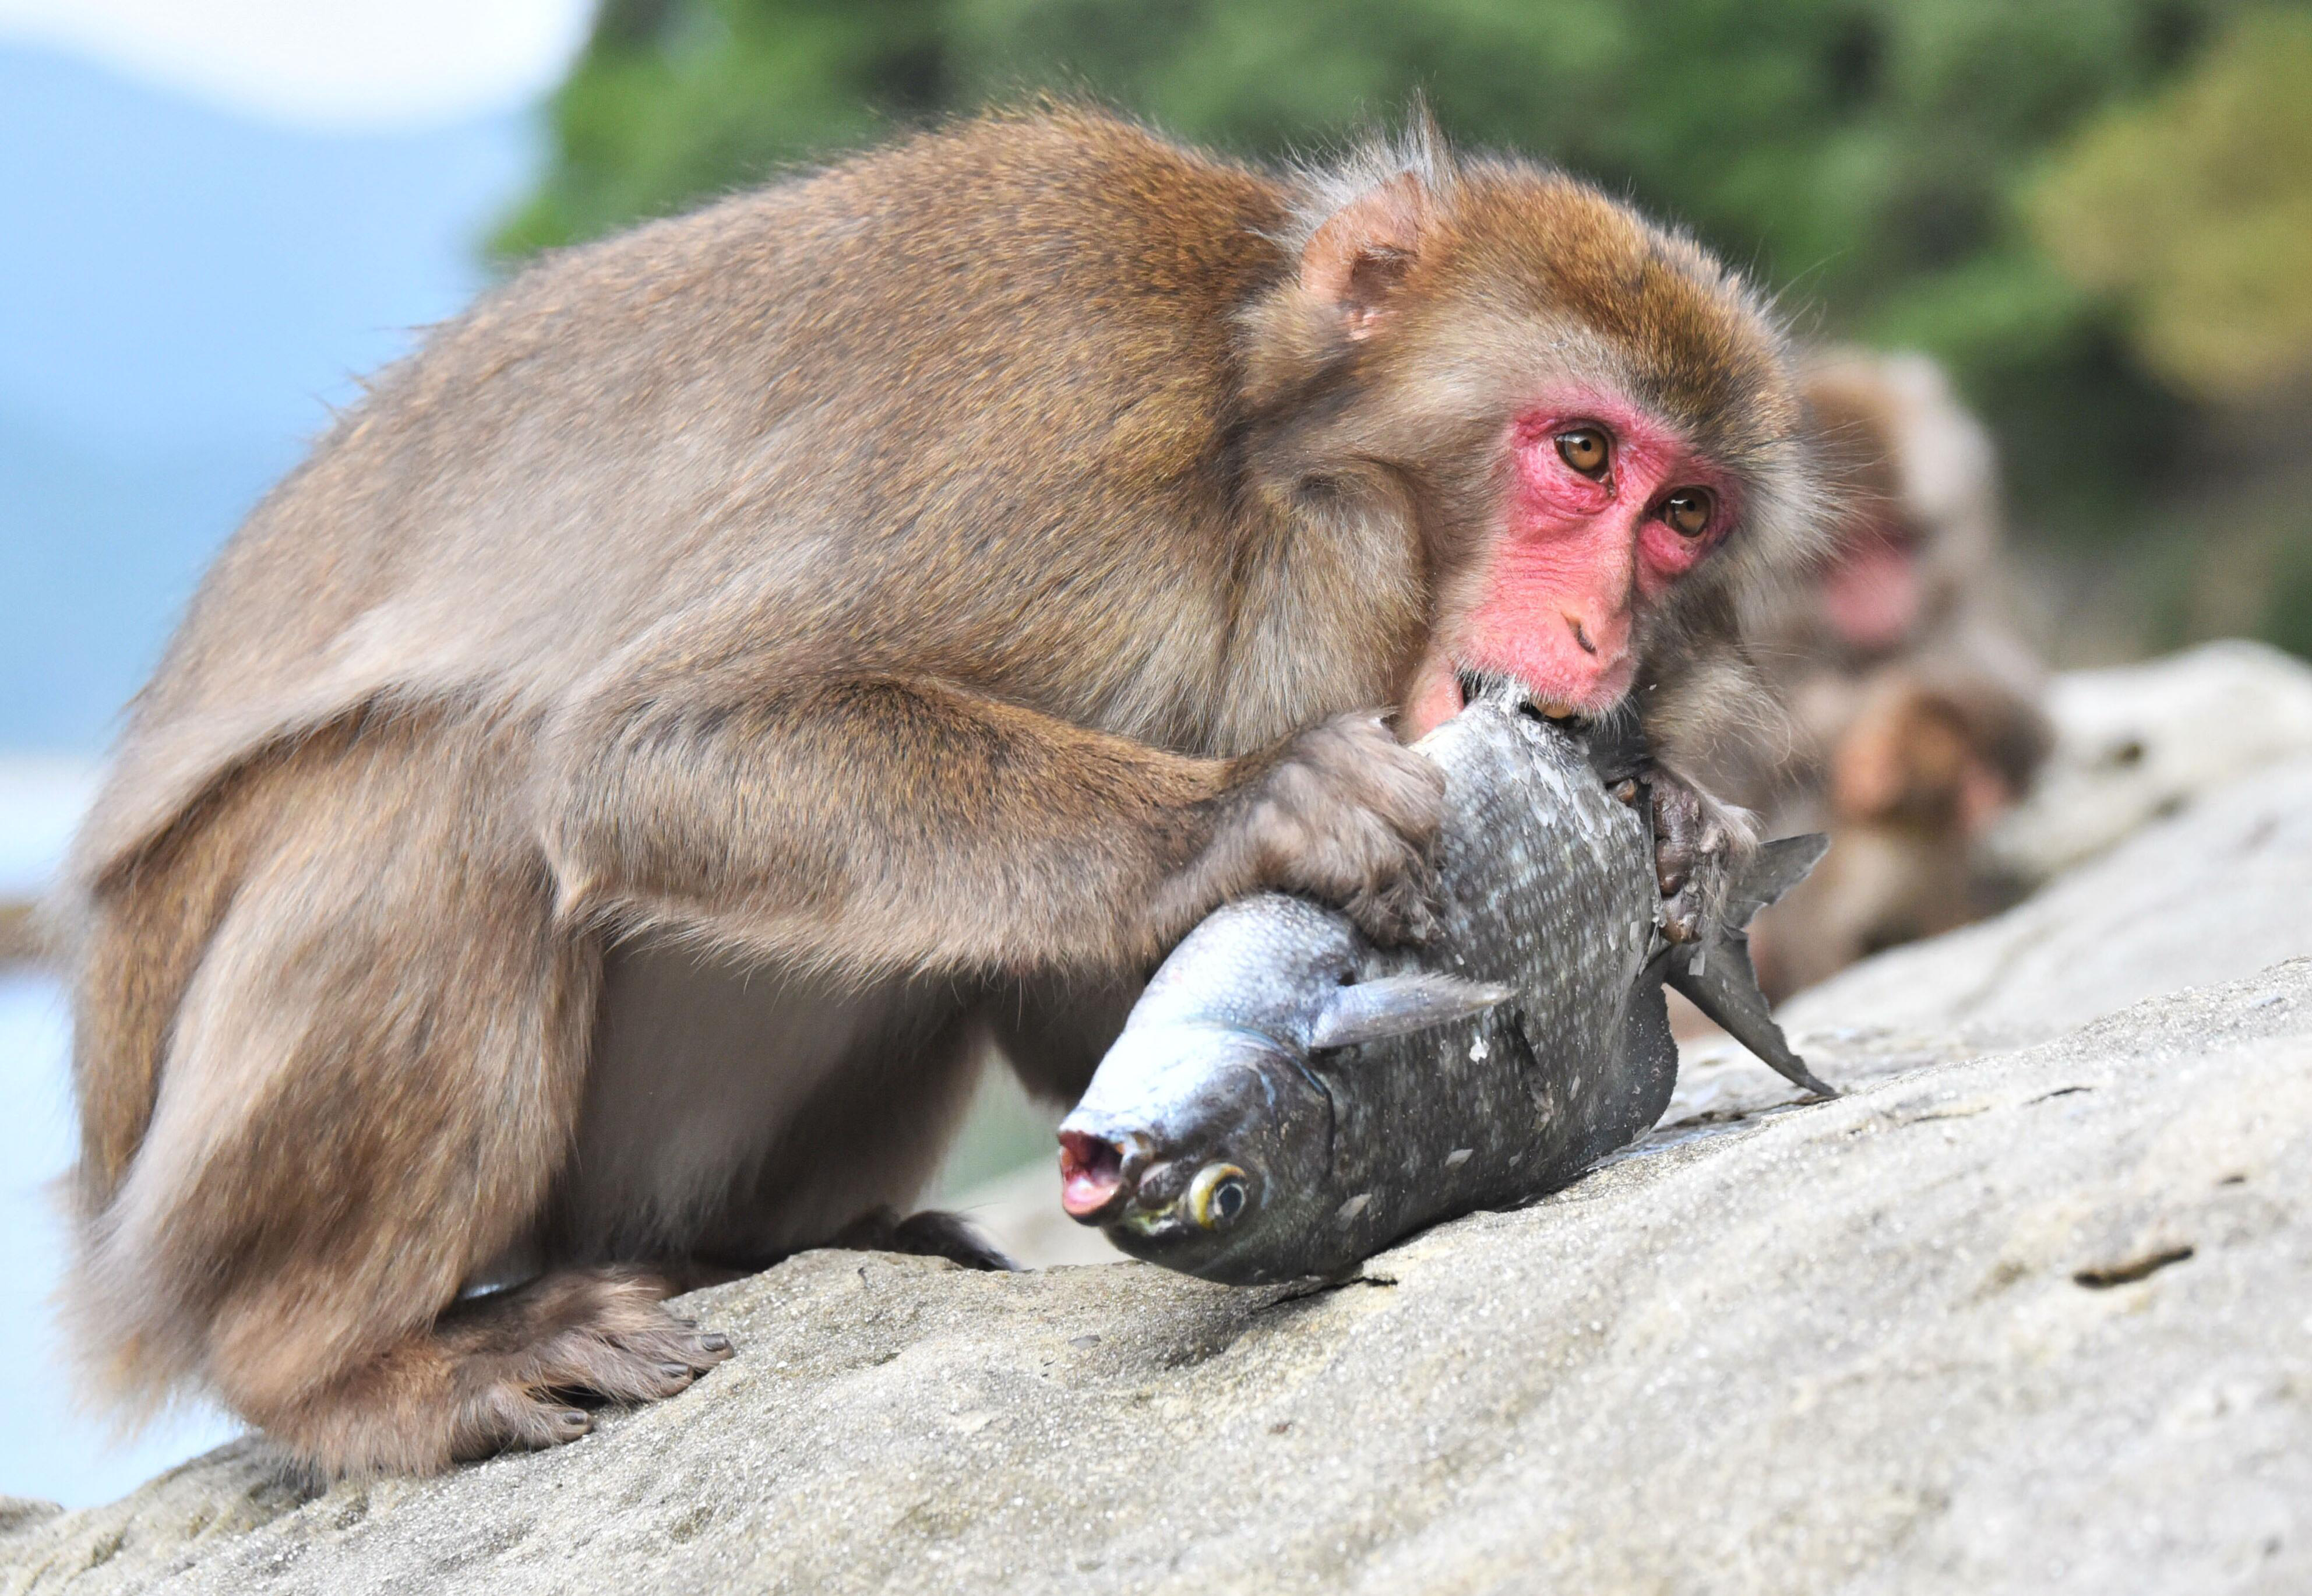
510 1415
601 1333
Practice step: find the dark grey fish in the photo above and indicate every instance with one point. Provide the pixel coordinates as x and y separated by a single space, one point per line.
1285 1100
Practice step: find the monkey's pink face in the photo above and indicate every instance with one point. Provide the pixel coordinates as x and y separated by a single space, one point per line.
1607 510
1871 591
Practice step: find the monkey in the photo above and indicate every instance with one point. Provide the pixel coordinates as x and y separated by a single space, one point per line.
598 807
1913 708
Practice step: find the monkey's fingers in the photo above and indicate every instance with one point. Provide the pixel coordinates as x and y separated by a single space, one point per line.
1690 846
936 1233
1348 815
1400 911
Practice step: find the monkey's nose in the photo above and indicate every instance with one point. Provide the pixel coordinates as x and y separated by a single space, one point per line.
1580 634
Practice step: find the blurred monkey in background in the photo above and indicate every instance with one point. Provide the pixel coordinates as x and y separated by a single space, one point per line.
1914 716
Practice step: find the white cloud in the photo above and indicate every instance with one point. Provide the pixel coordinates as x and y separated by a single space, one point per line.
335 64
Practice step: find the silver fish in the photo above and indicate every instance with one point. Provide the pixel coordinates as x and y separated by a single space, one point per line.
1285 1100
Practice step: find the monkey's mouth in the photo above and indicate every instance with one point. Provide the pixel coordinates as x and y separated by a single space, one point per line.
1492 685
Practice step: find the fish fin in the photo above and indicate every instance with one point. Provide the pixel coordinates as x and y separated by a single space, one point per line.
1718 976
1773 870
1394 1005
1727 990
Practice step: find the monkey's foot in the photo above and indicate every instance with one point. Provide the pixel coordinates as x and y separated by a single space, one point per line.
1692 845
932 1234
518 1357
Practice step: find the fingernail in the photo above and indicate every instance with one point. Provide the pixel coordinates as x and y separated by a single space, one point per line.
715 1341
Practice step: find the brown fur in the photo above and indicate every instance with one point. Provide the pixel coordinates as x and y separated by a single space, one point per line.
597 804
1906 750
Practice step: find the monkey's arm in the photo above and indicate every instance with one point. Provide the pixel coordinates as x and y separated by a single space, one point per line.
895 820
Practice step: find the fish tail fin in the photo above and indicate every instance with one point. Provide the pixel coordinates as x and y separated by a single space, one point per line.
1717 977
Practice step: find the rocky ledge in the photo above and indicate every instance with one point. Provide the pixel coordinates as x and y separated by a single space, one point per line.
2030 1309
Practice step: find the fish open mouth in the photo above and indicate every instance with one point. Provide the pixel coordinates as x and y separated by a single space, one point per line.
1091 1176
1476 685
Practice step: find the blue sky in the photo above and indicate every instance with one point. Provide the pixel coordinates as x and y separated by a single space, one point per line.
217 215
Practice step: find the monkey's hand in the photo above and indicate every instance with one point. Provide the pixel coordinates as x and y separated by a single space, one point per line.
1343 813
1693 844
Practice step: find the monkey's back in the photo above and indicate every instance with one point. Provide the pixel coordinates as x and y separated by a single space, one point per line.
589 449
885 452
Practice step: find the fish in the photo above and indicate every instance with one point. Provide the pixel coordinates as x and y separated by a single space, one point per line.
1286 1100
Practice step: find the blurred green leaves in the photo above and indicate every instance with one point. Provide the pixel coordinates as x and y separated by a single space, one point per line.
678 100
2046 193
2194 209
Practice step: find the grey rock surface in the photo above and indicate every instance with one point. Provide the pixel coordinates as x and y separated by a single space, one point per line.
2030 1309
2133 742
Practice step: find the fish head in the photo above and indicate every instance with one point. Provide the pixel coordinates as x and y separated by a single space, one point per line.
1208 1146
1193 1141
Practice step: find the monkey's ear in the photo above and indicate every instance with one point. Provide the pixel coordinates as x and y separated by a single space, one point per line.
1356 259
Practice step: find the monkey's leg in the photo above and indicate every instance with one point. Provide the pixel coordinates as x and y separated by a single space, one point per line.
737 1112
1053 1031
891 822
369 1087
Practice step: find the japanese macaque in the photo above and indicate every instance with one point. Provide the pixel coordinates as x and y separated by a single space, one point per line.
1914 707
599 805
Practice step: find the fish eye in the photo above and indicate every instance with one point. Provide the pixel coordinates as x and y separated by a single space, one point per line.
1584 448
1686 512
1218 1196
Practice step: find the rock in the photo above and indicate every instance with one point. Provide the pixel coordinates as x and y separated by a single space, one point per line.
2030 1309
2029 1322
21 1512
2137 741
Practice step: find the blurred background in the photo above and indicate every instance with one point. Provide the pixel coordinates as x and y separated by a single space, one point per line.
2095 214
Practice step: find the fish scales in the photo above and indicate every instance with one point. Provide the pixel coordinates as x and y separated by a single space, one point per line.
1286 1100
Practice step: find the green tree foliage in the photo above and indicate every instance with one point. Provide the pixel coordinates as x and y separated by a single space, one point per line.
1871 157
2195 209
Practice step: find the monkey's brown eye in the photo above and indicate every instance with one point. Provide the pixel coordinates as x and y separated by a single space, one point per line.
1687 512
1584 449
